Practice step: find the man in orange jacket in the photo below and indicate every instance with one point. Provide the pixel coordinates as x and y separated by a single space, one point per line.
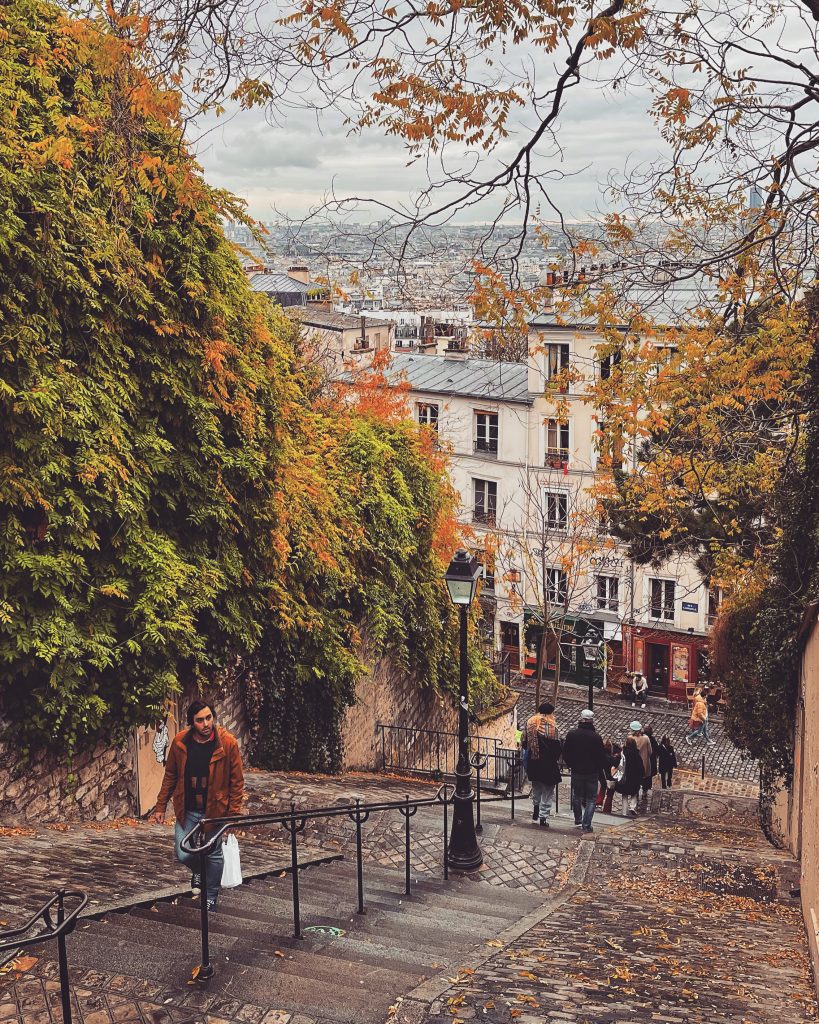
204 779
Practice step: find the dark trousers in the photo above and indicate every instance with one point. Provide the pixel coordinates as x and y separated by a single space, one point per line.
665 778
584 794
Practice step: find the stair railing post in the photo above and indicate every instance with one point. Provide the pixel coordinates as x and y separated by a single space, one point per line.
446 834
359 817
512 783
205 967
703 765
407 810
295 825
65 992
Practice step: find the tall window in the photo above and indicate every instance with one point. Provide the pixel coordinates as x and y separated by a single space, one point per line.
428 414
714 601
486 432
662 599
609 446
557 443
607 363
608 593
556 359
485 507
557 586
487 560
556 510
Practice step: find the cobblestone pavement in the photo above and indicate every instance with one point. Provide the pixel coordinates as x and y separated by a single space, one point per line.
612 717
112 865
511 858
676 921
680 917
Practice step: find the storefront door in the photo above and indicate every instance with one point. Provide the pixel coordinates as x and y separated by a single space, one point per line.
657 675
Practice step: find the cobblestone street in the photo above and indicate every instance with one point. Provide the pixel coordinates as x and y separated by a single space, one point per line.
680 917
612 716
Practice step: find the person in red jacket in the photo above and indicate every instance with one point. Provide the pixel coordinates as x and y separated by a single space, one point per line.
204 779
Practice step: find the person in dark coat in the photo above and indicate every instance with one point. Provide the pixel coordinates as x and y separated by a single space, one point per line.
541 741
611 772
667 761
584 753
631 778
653 756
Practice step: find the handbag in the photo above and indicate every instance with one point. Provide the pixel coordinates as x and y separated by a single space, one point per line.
232 867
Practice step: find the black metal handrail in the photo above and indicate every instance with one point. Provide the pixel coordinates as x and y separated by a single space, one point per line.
55 928
294 822
431 752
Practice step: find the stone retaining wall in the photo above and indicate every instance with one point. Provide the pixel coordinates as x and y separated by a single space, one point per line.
390 697
44 790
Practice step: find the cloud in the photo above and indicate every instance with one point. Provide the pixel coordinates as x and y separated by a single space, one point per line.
293 165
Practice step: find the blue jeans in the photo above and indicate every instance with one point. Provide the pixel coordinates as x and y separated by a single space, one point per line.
542 796
584 795
701 730
214 863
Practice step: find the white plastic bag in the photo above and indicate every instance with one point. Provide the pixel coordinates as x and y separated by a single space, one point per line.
232 869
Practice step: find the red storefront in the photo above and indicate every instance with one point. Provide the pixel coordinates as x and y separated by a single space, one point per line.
672 662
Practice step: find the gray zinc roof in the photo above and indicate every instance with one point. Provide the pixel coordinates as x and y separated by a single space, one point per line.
474 378
280 283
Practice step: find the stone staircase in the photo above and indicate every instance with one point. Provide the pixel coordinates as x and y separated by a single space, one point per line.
351 975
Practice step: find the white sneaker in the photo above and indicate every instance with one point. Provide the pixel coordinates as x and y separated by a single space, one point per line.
633 704
687 740
642 705
712 743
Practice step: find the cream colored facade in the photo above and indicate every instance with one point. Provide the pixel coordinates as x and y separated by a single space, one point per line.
537 478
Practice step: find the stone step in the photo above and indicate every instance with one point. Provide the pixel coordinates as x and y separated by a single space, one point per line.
352 977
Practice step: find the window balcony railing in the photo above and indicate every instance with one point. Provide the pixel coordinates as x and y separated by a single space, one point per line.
556 460
484 447
481 516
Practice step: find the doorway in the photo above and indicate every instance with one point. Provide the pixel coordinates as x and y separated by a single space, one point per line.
657 658
510 643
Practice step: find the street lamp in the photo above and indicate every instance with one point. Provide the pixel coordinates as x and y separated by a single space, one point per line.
591 648
464 853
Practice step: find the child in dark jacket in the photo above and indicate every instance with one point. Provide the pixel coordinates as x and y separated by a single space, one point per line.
667 761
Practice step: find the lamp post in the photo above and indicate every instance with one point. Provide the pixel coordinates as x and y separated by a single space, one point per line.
464 853
591 648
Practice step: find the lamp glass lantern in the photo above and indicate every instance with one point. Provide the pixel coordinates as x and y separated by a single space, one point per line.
462 577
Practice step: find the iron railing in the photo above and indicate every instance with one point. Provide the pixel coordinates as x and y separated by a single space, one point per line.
434 752
14 939
204 836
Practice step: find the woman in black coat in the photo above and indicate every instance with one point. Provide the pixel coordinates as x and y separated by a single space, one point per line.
631 778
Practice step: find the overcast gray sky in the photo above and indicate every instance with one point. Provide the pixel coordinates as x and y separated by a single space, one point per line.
291 166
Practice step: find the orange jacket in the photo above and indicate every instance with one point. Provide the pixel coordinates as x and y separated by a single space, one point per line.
226 779
699 711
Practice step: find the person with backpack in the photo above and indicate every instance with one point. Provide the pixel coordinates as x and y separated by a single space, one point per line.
541 745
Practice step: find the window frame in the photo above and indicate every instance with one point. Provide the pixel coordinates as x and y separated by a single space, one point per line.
556 583
558 524
556 457
486 445
488 515
609 599
428 422
666 612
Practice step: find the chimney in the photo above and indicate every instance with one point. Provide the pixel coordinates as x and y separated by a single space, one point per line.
363 332
299 274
